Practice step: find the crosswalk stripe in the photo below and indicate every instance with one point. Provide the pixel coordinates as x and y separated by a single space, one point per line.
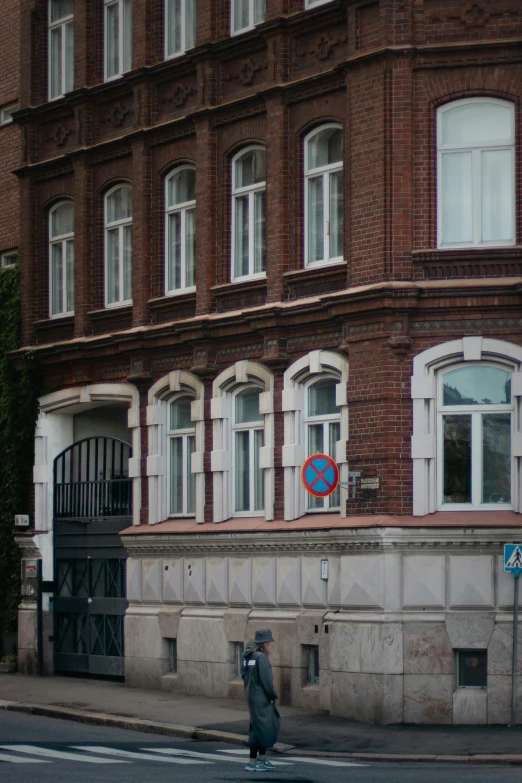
213 756
324 762
21 760
135 755
57 754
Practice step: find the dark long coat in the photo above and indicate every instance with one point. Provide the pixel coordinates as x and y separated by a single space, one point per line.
265 721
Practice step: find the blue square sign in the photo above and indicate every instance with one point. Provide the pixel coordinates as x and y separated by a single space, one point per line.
513 558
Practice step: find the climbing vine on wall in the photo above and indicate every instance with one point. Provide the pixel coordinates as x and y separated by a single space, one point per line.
19 391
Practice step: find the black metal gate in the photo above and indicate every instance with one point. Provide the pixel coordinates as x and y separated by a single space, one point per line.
92 504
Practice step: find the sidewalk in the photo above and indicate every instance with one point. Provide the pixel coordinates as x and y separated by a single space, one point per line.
307 731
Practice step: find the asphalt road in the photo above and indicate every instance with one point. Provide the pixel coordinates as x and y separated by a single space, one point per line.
45 750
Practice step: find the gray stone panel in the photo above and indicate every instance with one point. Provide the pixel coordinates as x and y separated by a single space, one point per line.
169 623
143 638
470 706
288 581
145 672
362 581
235 622
470 630
217 580
427 649
203 639
366 647
307 622
173 580
203 678
500 650
264 581
423 581
194 580
370 698
152 580
240 580
313 588
428 698
134 579
471 580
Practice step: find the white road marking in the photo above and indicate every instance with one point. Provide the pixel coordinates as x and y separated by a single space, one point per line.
213 756
56 754
21 760
130 754
303 760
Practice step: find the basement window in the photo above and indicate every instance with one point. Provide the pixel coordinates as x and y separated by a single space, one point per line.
239 649
313 664
472 668
9 258
173 644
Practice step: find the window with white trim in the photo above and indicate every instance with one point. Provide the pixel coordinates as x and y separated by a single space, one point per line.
249 214
182 444
118 246
476 173
61 259
180 26
118 37
248 434
61 47
180 230
246 14
474 437
323 431
323 149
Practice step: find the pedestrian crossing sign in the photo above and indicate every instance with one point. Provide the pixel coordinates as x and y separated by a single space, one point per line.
513 558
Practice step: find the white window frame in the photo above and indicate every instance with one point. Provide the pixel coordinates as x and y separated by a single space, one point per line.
296 380
476 412
64 22
324 420
6 113
184 435
326 171
182 208
8 258
225 388
250 191
63 240
186 44
251 17
121 40
424 390
160 396
476 177
251 427
120 225
315 3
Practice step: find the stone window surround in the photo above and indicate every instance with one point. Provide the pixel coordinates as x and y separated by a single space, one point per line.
295 380
241 373
157 462
423 392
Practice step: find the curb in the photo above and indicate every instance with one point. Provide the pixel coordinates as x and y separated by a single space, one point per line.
193 732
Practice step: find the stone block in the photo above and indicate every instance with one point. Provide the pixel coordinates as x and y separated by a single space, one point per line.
217 580
311 697
500 649
134 579
288 581
235 622
470 706
27 629
504 586
264 581
145 672
334 582
369 698
151 579
202 639
313 588
307 623
173 580
423 582
240 580
471 580
498 699
470 630
236 689
427 649
366 647
428 698
143 638
362 581
26 661
325 689
203 678
169 623
194 580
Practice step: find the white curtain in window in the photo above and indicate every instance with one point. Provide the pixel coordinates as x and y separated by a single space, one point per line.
61 47
118 37
324 195
118 246
61 258
181 230
180 26
249 214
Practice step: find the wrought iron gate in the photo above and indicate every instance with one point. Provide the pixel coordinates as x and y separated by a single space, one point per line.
92 504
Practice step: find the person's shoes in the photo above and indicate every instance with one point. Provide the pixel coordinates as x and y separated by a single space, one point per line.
251 766
264 766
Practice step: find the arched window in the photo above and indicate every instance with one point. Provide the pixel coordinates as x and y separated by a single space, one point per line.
61 47
323 151
246 14
180 200
248 428
476 173
323 431
249 214
61 258
182 444
467 426
118 37
118 246
180 26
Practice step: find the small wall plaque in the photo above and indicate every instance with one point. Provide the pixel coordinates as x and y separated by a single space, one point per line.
374 482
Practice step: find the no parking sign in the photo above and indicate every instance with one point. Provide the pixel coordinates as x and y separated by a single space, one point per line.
320 475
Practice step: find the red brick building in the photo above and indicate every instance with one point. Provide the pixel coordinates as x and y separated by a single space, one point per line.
250 234
9 133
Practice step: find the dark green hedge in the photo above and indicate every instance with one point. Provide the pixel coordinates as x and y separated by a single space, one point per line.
19 391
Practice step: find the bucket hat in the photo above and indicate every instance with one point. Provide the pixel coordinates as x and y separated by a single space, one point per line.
264 636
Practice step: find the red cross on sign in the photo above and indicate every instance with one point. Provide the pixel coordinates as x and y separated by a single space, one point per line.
320 475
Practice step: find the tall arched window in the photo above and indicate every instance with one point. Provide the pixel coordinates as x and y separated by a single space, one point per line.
249 214
248 427
476 173
180 26
180 200
182 444
61 47
323 431
324 195
61 258
118 37
118 246
246 14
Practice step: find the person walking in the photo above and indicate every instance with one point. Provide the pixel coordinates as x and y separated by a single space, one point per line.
265 721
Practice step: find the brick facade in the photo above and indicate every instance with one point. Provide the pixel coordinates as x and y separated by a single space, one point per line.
9 134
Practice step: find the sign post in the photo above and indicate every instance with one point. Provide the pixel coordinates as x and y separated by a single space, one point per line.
513 565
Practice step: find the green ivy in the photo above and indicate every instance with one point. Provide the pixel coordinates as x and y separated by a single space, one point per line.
19 392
